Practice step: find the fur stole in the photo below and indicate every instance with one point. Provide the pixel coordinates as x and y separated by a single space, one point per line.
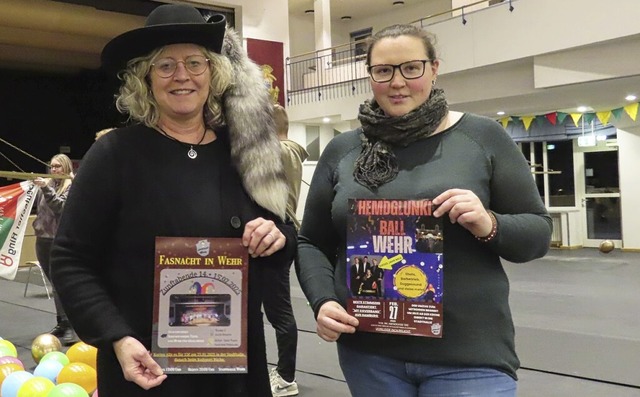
255 149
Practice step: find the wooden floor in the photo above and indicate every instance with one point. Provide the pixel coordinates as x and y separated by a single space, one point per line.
576 314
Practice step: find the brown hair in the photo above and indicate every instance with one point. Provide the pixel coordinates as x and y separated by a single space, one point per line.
394 31
281 119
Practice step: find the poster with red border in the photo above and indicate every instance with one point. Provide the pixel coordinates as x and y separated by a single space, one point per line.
16 201
395 267
200 305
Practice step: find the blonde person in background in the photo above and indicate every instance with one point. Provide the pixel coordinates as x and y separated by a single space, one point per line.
293 155
103 132
277 304
50 201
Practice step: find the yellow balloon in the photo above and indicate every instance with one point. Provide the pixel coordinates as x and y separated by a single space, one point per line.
83 353
11 346
81 374
37 386
8 369
43 344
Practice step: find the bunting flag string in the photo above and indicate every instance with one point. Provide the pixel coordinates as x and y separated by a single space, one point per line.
632 110
555 118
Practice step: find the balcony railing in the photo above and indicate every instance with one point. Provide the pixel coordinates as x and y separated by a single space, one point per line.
340 71
325 74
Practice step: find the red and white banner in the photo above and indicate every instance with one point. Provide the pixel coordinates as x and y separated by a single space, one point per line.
15 206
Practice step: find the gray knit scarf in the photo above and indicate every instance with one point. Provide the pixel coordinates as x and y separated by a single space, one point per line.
377 164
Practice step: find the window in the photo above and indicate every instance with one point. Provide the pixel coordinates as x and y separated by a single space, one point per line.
358 38
552 169
561 186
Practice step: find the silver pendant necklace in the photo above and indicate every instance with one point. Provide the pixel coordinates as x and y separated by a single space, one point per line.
191 153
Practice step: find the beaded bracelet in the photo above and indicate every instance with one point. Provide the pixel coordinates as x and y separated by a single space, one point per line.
494 229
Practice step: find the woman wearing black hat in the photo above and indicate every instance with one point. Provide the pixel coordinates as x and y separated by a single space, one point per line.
200 160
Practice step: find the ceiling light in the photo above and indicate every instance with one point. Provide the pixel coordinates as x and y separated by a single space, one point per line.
346 18
308 12
326 120
398 3
631 97
582 109
500 113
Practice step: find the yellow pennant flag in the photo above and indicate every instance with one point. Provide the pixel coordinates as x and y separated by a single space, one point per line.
632 110
604 116
526 120
576 117
505 121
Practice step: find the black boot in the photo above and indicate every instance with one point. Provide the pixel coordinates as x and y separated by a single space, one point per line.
69 337
59 330
65 333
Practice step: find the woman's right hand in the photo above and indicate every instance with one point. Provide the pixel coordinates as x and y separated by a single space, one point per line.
333 321
40 182
137 364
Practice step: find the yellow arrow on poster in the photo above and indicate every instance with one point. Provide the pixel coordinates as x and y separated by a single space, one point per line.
387 263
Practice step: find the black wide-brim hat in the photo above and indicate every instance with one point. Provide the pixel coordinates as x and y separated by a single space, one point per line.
167 24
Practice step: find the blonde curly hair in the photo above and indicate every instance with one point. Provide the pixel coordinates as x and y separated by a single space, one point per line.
136 99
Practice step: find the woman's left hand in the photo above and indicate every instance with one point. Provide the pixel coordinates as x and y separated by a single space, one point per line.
262 237
464 208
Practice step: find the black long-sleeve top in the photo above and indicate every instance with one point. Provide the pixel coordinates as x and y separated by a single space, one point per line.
133 185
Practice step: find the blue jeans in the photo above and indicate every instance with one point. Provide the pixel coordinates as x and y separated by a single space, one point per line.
370 375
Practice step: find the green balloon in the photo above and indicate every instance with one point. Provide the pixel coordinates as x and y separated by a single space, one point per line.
58 356
6 351
68 390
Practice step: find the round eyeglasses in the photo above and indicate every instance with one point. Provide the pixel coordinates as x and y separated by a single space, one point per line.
166 67
409 70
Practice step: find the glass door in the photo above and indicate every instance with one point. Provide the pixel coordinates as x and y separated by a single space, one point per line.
601 199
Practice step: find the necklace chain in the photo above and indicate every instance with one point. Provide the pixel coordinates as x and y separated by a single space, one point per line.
191 153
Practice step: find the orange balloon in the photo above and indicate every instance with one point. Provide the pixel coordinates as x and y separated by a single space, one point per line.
8 369
83 353
81 374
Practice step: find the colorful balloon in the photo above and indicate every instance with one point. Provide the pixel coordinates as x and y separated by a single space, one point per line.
68 390
35 387
13 382
83 353
56 356
11 346
8 369
48 369
43 344
81 374
6 351
11 360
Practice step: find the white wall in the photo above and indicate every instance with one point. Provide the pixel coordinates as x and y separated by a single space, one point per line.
628 159
260 19
304 38
489 35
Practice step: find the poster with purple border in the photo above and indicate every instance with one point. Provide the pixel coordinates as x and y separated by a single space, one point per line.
200 305
395 265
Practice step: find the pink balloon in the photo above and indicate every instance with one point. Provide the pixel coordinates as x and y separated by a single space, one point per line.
11 360
95 393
